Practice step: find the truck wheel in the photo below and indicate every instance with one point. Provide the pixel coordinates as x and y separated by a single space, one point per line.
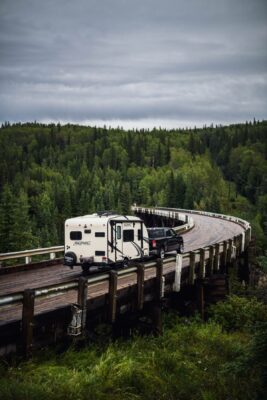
162 253
181 249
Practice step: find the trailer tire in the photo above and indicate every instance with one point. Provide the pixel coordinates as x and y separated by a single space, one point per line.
125 262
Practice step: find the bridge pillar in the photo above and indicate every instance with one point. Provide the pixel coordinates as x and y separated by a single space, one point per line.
112 296
157 312
27 321
82 299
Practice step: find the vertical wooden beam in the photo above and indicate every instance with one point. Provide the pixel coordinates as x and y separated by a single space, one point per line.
157 315
229 252
27 321
82 298
159 275
140 286
112 295
211 259
217 257
224 256
192 268
201 274
200 298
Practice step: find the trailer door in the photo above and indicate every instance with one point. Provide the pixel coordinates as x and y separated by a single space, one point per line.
118 242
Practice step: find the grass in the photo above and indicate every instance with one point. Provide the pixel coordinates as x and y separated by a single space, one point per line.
191 360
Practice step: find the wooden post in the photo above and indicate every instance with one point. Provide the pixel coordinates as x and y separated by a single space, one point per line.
112 295
229 252
211 259
82 298
27 321
201 274
192 268
217 257
224 256
140 286
157 317
200 297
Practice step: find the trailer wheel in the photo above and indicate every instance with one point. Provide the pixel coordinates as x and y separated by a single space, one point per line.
125 262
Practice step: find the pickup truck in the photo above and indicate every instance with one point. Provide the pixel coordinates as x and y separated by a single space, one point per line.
164 240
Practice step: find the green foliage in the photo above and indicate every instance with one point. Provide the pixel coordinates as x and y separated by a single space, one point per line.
190 361
239 313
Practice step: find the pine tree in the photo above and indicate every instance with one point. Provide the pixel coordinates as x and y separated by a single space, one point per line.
21 236
6 221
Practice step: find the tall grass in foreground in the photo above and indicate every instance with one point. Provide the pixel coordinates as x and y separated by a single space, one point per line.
191 360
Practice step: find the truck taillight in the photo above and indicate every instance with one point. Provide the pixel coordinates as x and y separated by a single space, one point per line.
154 243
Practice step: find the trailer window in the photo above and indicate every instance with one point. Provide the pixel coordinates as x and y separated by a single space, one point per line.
139 234
128 235
118 232
76 235
87 231
100 253
99 234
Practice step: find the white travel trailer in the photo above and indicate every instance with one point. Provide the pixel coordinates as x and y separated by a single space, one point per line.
104 238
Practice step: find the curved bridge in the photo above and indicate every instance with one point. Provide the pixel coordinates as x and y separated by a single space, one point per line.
42 297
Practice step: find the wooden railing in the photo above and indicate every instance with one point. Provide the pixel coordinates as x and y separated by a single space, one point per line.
28 254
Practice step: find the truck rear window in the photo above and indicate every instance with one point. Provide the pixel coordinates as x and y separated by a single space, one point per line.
156 233
75 235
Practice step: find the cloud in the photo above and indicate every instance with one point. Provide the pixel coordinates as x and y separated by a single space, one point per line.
171 61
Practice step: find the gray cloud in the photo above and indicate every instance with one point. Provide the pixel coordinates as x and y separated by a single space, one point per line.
172 62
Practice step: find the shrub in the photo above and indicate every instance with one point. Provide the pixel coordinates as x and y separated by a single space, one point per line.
238 313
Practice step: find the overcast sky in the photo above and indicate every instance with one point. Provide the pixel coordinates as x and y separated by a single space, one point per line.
133 63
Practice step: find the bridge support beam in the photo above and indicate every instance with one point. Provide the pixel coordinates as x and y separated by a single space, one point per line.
27 322
156 311
200 297
82 299
140 286
112 296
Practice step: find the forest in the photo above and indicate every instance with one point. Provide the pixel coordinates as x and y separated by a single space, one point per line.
51 172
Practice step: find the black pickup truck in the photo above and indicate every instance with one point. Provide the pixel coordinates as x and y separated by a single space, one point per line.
163 240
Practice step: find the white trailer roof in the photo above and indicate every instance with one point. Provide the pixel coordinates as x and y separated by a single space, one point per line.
96 219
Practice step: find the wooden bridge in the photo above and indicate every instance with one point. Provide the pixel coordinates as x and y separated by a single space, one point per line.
42 303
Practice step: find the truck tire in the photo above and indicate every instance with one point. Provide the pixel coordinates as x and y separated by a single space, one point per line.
181 249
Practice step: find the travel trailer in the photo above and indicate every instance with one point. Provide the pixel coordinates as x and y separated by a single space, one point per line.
104 238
